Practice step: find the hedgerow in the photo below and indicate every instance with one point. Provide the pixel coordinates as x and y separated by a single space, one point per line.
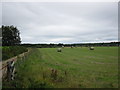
11 51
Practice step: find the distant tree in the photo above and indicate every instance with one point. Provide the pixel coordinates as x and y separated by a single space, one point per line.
10 36
60 44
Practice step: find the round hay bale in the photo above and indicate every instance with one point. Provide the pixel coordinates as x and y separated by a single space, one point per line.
59 50
91 48
72 46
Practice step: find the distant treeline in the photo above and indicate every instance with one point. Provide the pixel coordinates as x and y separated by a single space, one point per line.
71 45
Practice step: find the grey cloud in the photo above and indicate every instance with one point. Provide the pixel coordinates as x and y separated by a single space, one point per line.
63 22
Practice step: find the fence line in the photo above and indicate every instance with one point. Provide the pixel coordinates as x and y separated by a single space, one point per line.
8 66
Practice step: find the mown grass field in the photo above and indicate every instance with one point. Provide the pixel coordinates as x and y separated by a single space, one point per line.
76 68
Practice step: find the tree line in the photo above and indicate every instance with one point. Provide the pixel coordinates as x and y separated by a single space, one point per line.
71 45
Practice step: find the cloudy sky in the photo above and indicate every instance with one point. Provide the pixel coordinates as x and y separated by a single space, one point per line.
60 22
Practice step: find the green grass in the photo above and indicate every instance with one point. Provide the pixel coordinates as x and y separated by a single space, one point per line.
84 68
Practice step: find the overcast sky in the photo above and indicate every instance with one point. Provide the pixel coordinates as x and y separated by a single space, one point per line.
62 22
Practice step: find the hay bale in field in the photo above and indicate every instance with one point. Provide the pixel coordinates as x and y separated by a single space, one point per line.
72 46
91 48
59 50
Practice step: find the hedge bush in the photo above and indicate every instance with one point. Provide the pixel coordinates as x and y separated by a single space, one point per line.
11 51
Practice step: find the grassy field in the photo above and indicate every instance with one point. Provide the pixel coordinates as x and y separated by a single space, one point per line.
75 68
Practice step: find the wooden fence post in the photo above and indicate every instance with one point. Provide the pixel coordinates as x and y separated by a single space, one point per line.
10 70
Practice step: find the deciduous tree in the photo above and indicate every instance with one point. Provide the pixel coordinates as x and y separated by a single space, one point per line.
10 36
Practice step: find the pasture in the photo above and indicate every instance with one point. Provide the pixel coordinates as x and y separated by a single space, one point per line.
75 68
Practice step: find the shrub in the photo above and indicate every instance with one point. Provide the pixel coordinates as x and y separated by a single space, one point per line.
11 51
